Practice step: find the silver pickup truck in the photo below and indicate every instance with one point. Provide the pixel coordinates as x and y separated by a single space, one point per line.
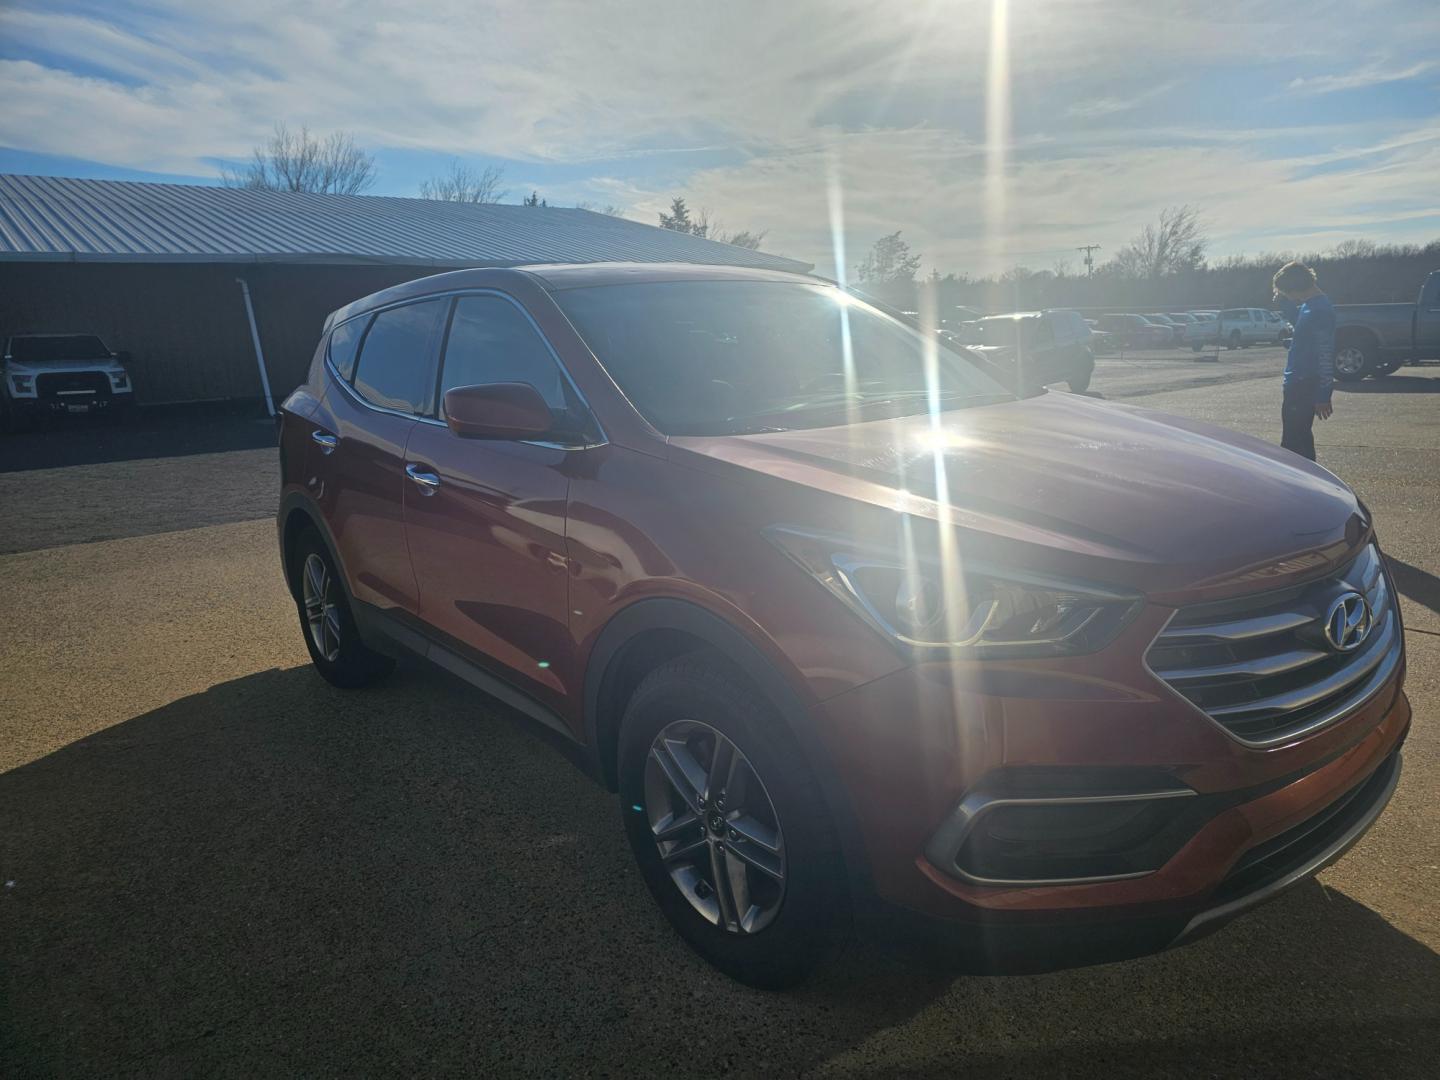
1375 339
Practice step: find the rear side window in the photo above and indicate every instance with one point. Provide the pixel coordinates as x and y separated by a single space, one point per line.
491 341
344 345
394 370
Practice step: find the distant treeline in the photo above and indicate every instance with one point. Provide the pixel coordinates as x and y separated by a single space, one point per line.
1354 272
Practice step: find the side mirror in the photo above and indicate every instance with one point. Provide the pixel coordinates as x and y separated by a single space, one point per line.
122 357
497 411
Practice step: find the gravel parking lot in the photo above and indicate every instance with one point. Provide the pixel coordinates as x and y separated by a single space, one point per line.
213 863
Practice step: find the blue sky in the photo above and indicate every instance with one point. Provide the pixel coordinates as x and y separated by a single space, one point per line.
1292 127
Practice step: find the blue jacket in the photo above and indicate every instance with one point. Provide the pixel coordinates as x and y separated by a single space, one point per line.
1312 350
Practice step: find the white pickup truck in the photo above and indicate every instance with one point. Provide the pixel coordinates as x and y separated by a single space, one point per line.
60 374
1236 328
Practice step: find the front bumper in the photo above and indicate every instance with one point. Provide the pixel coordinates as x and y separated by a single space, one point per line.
911 746
63 406
1011 946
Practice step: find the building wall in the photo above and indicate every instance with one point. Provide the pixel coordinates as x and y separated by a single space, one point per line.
184 323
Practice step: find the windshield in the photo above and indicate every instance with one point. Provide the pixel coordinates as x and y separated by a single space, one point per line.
726 357
49 347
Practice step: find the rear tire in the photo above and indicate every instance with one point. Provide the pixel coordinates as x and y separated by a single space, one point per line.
1079 382
1235 340
795 921
325 619
1354 359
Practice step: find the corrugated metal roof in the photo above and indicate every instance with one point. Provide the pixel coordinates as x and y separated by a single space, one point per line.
58 218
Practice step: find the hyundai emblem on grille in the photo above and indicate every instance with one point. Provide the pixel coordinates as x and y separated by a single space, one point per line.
1347 622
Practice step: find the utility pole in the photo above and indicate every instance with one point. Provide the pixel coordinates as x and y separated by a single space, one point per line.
1089 259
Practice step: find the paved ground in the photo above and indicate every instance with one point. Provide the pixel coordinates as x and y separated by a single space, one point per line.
213 863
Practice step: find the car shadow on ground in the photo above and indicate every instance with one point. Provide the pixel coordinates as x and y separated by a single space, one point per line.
153 432
1392 384
277 878
1418 585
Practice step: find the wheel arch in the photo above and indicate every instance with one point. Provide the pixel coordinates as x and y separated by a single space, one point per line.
297 513
645 635
649 632
1357 335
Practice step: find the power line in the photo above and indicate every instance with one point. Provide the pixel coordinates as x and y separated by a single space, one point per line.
1089 258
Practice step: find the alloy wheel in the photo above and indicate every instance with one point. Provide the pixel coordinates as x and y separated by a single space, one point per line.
322 617
1350 360
715 827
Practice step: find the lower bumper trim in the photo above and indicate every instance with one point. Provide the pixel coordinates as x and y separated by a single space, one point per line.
1386 778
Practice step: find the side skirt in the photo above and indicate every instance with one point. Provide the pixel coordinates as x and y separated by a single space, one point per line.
386 633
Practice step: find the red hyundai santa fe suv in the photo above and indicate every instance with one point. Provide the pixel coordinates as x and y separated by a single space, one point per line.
863 640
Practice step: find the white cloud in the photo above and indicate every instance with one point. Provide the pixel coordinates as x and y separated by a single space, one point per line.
1372 75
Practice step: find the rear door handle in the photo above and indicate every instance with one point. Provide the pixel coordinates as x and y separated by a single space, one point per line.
428 481
324 440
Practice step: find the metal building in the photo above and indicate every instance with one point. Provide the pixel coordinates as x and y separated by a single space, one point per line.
173 273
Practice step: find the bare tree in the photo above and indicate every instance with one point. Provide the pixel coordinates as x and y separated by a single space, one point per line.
1176 242
299 161
462 184
745 238
608 209
888 263
1354 249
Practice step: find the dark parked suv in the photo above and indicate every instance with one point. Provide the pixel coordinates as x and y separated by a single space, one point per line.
862 640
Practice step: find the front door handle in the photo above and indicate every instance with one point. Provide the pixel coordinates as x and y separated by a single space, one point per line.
428 481
324 440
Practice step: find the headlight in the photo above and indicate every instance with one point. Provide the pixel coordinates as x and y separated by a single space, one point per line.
23 384
119 380
982 611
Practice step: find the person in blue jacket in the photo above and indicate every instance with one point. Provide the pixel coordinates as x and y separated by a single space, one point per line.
1310 367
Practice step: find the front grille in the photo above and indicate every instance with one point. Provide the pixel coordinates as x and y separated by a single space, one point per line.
77 386
1301 844
1261 667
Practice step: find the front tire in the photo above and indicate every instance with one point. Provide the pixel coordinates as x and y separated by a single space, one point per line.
728 827
326 621
1235 340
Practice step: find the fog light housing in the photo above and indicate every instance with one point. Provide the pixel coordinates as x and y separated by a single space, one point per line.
1059 829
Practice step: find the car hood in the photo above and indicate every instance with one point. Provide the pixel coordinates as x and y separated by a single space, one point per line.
16 367
1091 478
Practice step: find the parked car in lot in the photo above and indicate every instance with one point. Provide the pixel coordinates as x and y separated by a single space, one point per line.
1280 325
1033 349
1239 328
1101 343
1176 330
1375 339
61 374
1191 325
863 640
1134 331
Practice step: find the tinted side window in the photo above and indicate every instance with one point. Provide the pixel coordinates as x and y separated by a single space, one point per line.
491 341
394 370
344 341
